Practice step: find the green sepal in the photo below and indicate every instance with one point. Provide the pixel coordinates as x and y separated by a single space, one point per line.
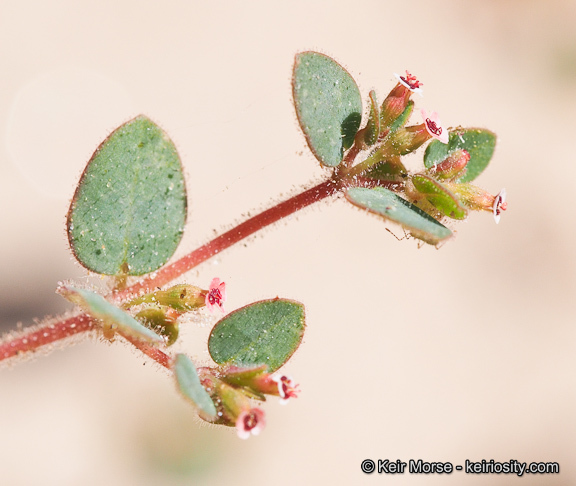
245 378
328 105
479 143
392 207
242 376
158 319
403 118
113 318
440 197
181 297
372 130
188 383
263 333
388 170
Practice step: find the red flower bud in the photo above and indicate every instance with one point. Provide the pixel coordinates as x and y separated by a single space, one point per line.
397 100
453 166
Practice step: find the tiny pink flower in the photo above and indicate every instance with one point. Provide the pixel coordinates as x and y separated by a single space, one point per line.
410 82
500 205
286 388
434 127
250 421
216 295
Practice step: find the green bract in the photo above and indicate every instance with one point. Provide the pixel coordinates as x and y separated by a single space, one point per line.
373 126
440 197
478 142
386 171
266 332
115 318
403 118
328 105
189 385
385 203
128 213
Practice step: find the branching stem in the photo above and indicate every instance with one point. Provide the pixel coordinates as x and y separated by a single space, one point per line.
39 336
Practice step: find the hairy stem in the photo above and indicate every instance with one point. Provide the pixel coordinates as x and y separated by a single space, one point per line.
37 337
226 240
151 351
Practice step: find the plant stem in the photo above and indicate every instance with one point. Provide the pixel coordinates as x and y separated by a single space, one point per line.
33 339
152 352
225 240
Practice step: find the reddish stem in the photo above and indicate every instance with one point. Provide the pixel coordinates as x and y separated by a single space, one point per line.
351 155
152 352
29 341
225 240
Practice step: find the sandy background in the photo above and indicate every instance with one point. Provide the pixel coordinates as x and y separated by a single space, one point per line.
466 352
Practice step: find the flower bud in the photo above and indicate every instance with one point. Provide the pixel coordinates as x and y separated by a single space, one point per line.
478 199
262 383
184 297
405 140
438 194
235 408
454 166
397 100
162 320
181 297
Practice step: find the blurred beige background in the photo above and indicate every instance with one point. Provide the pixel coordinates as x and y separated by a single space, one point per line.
466 352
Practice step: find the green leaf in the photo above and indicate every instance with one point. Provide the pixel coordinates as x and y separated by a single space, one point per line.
403 118
266 332
189 385
128 213
373 126
387 170
478 142
112 317
440 197
328 105
385 203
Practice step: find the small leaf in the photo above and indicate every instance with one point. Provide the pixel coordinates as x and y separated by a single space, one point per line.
388 170
189 385
403 118
373 126
479 143
440 197
266 332
112 317
162 320
385 203
328 105
128 213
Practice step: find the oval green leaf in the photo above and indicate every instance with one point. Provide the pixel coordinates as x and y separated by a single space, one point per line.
328 105
98 307
440 197
479 143
266 332
129 210
188 383
388 204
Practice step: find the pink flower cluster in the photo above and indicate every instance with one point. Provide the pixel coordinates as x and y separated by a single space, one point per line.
216 295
